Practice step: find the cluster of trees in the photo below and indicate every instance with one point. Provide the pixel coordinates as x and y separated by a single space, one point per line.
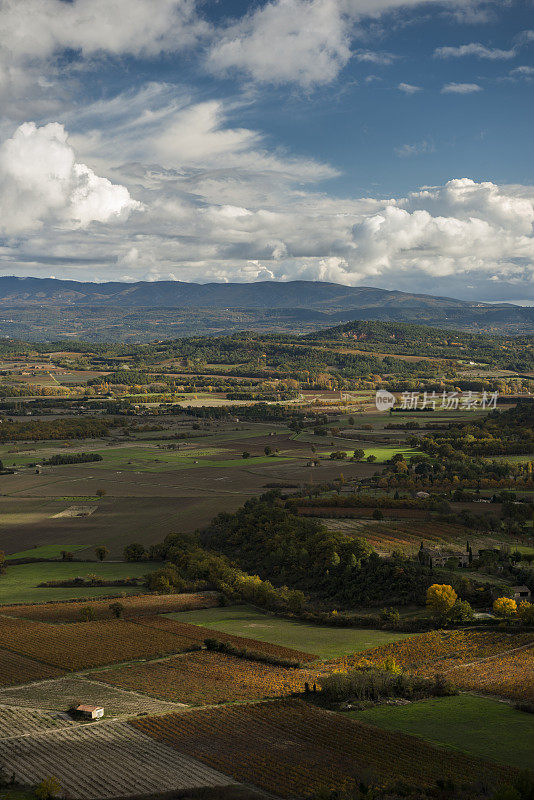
375 683
279 356
265 536
253 348
499 433
32 390
57 428
360 500
261 412
190 564
446 606
445 470
264 396
71 458
507 608
420 340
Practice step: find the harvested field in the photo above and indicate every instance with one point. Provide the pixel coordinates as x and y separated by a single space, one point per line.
340 511
88 644
17 669
407 536
133 606
401 535
291 748
478 660
199 634
104 760
206 677
76 511
19 721
60 694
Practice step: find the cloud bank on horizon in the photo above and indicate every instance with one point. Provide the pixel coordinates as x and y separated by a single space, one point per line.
372 142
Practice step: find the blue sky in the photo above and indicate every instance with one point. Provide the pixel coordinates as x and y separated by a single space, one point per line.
368 142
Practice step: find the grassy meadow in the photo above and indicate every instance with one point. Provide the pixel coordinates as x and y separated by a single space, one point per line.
20 582
475 725
326 642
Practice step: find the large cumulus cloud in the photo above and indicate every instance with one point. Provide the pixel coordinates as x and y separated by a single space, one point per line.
41 182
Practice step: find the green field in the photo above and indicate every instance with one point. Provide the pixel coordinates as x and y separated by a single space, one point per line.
382 454
153 460
475 725
380 419
19 584
324 641
210 450
48 551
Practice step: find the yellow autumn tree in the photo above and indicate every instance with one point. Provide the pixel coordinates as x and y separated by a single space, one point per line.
440 598
48 789
505 607
525 613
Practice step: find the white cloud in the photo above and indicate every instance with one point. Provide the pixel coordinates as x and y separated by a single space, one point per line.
303 41
476 50
35 80
225 225
522 72
408 88
157 125
461 88
525 37
418 148
41 182
508 208
374 57
196 134
41 28
307 42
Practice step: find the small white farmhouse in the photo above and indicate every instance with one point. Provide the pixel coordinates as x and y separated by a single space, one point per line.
91 712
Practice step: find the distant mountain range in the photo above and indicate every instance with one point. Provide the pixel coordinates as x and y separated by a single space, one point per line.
47 308
178 294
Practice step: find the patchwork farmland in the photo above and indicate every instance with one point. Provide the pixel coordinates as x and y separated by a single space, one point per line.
291 749
106 761
233 583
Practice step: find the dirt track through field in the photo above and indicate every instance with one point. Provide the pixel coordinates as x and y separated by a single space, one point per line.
493 657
